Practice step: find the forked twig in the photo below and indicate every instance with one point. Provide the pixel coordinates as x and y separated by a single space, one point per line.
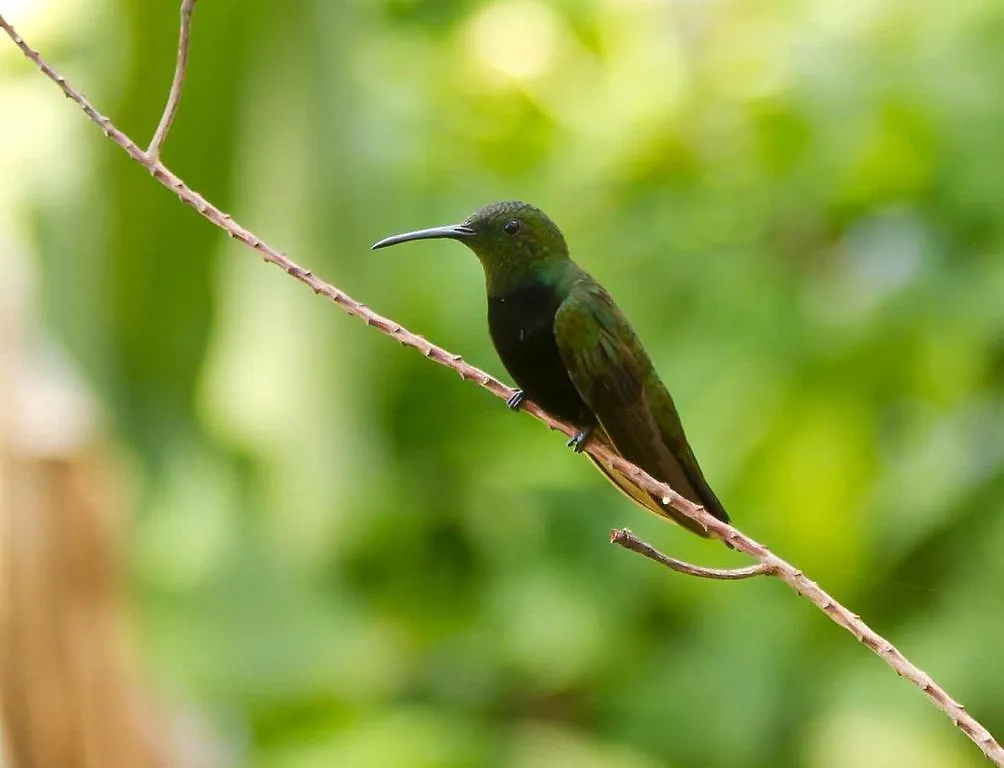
732 537
174 97
625 538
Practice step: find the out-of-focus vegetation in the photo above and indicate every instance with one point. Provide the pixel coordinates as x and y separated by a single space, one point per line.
340 554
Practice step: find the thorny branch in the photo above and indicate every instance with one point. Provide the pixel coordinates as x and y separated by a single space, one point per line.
770 563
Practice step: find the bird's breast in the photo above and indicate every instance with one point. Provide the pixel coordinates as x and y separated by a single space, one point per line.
521 324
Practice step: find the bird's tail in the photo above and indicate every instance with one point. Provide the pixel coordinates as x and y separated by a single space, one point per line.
650 501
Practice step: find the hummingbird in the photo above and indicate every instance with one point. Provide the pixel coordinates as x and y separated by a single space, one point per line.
572 351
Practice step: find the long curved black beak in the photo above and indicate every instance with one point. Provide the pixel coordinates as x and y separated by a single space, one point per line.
452 232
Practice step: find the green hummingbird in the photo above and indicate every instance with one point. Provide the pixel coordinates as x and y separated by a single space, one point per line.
573 352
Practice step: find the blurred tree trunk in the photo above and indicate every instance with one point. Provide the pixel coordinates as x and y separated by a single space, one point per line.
67 692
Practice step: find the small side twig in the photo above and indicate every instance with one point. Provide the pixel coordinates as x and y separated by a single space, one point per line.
174 97
625 538
724 532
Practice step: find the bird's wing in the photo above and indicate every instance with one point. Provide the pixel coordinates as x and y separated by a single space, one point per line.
614 376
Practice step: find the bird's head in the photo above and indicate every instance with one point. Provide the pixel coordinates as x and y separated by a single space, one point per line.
513 241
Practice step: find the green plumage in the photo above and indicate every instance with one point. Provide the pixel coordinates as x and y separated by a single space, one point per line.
572 351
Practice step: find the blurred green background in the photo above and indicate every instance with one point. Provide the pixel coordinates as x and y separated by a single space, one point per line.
340 554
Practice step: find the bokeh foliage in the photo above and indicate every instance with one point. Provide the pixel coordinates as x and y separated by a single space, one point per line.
342 555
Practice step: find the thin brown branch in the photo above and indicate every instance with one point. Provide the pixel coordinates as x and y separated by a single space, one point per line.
791 576
625 538
174 97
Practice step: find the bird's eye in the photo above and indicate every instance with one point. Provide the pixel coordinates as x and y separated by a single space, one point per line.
511 227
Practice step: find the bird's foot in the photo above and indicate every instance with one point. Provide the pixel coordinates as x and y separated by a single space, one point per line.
578 441
516 400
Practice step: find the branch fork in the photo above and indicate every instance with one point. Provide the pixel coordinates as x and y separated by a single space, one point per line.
177 84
